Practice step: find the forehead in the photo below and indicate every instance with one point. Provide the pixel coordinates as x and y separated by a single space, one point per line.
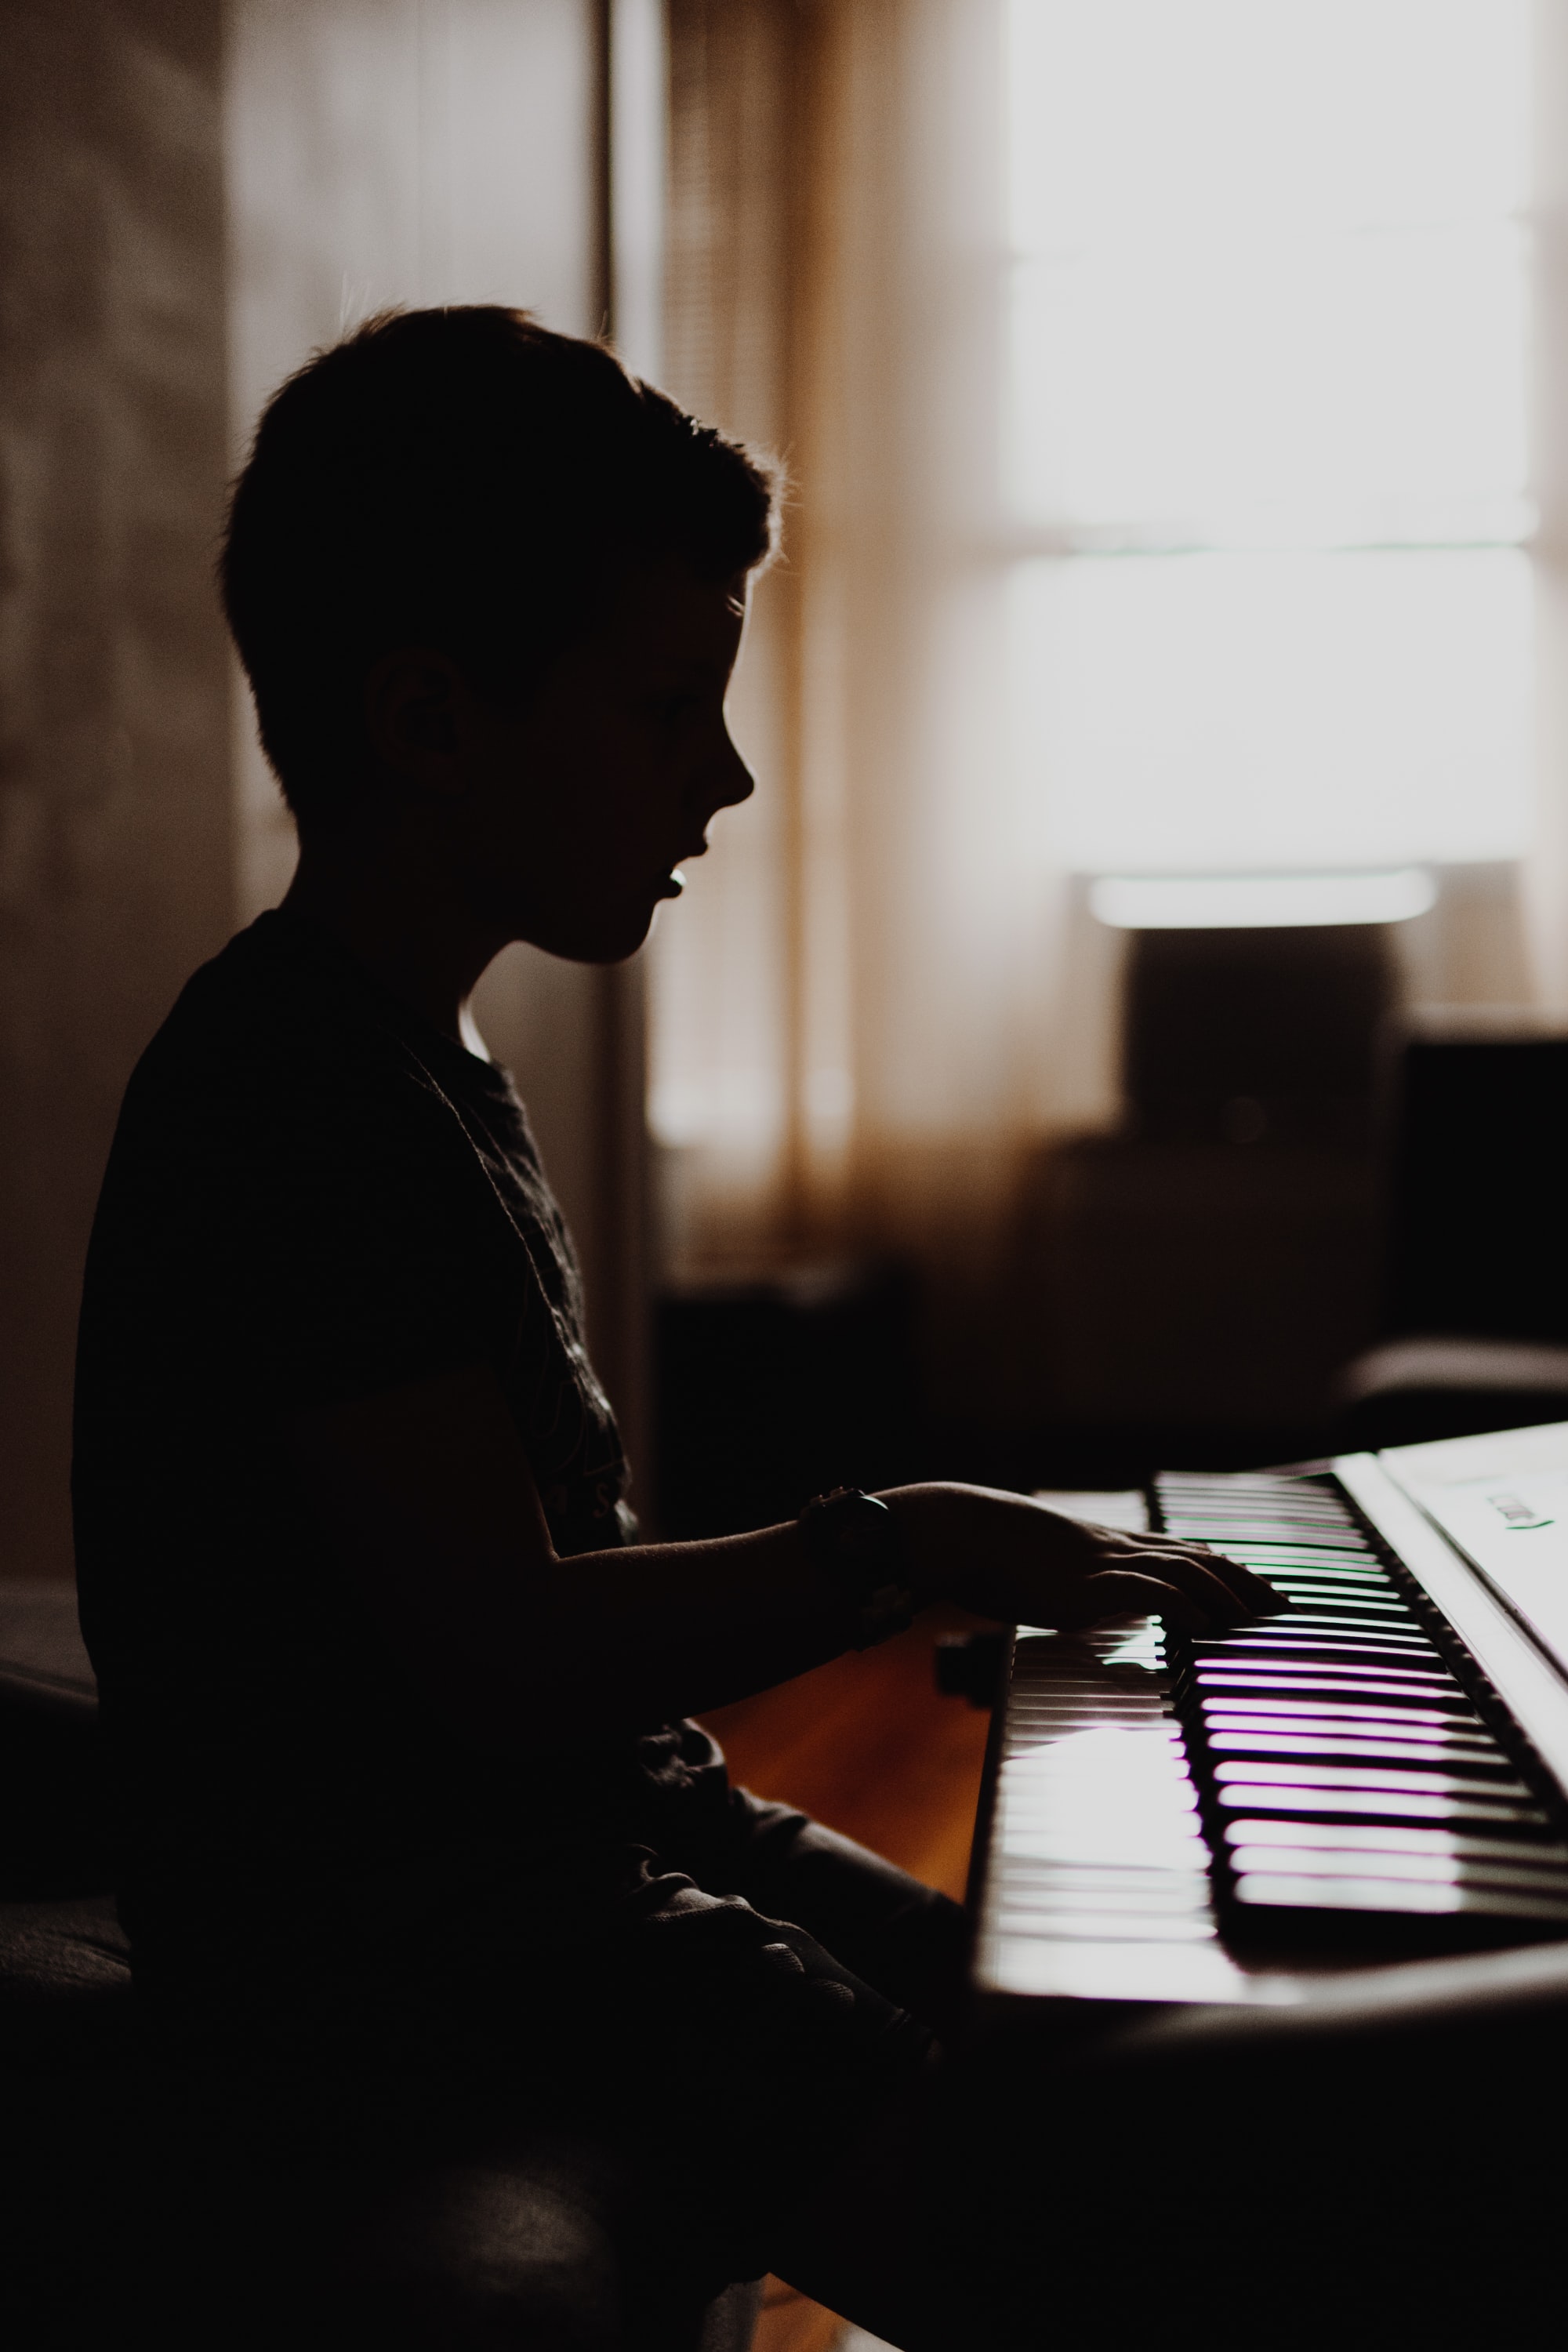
662 617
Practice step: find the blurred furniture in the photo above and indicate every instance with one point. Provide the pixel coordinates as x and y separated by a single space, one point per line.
1246 1036
68 2041
109 2218
1476 1286
1196 1278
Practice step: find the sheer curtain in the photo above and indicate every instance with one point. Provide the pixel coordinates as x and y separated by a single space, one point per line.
867 1006
885 990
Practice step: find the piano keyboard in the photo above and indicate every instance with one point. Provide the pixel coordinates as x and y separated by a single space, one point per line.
1374 1775
1348 1758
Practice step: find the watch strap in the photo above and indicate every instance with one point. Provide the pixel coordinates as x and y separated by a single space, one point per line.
857 1544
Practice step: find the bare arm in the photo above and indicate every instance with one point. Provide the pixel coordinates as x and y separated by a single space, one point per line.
427 1493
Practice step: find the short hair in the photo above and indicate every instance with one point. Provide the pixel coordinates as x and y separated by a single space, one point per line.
463 478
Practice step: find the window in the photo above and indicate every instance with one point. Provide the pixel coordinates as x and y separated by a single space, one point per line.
1267 469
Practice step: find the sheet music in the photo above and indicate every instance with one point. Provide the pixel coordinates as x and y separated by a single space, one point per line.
1502 1500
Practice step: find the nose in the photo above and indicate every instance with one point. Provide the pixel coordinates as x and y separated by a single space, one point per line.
730 781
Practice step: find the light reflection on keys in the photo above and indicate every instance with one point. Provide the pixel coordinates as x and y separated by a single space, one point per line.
1096 1818
1335 1730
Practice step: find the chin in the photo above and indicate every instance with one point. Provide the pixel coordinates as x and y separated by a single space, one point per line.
608 938
627 940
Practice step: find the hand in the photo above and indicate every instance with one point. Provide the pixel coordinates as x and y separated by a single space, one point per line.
1007 1557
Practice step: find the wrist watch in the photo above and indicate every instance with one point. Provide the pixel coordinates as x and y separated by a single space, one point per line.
858 1545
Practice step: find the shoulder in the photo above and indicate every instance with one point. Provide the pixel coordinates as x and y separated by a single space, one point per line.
281 1098
274 1035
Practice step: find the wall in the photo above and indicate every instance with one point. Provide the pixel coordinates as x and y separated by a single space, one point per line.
386 152
423 151
116 849
192 197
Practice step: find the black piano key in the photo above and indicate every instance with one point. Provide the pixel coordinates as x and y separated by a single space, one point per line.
1273 1488
1347 1570
1338 1538
1374 1613
1313 1656
1338 1560
1412 1706
1331 1550
1243 1526
1233 1787
1306 1899
1326 1543
1550 1879
1347 1616
1276 1502
1381 1625
1389 1683
1318 1584
1296 1624
1232 1666
1212 1649
1425 1721
1379 1590
1361 1598
1316 1627
1336 1593
1240 1734
1442 1709
1320 1665
1342 1769
1482 1759
1536 1846
1353 1743
1397 1778
1381 1804
1291 1575
1412 1719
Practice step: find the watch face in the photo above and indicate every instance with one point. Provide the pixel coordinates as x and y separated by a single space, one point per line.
858 1545
863 1528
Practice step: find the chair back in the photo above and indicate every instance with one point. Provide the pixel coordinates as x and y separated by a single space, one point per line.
1476 1178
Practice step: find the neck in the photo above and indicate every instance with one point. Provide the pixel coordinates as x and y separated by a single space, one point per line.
405 923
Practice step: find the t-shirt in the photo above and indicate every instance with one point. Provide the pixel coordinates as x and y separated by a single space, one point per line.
312 1196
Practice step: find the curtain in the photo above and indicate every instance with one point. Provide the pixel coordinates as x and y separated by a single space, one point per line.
865 1010
882 998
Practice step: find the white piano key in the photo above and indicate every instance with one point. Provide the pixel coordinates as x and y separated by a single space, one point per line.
1064 1914
1385 1837
1458 1713
1382 1802
1394 1895
1434 1870
1479 1756
1340 1776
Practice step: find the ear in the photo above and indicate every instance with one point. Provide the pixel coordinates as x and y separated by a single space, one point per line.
416 705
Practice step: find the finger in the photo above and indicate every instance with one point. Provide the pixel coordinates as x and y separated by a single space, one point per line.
1200 1577
1198 1581
1259 1595
1247 1593
1125 1592
1190 1572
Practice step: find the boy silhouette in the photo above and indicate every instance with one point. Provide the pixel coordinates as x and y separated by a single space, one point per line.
419 1838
